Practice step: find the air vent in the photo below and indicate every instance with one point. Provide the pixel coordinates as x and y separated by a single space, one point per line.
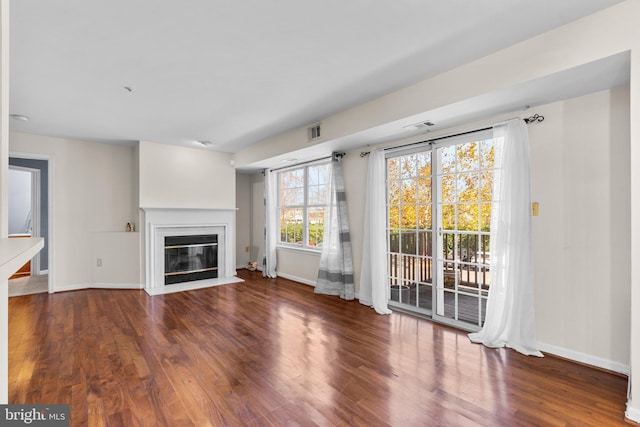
313 132
421 125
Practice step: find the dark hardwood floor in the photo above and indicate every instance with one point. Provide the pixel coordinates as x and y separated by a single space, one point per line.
271 352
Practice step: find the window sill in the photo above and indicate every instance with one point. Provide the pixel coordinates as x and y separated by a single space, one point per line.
299 250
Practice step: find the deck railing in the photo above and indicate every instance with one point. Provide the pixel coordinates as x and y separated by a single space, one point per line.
411 258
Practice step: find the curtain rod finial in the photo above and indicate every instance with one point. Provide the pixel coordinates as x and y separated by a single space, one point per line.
534 118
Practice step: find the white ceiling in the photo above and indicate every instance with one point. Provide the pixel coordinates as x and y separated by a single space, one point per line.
237 72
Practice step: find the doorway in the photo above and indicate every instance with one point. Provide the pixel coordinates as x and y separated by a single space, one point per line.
29 217
439 199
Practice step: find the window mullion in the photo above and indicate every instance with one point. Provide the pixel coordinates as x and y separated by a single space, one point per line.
305 210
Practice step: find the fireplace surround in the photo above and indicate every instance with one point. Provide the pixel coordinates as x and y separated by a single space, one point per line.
190 258
179 226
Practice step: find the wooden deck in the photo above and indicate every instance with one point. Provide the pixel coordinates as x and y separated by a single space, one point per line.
421 297
271 352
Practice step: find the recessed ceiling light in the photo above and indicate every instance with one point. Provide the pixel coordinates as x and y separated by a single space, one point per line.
19 117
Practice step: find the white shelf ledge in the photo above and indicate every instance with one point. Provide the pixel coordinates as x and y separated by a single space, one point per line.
14 253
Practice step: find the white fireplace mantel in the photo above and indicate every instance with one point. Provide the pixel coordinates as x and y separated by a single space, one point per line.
161 222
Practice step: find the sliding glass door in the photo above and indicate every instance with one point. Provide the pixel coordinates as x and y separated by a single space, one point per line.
439 213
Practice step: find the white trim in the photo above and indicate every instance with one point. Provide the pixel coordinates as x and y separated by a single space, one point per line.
632 414
297 279
587 359
52 223
83 286
189 286
306 282
35 216
299 249
43 272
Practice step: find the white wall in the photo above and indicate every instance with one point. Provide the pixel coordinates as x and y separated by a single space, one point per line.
580 177
118 252
93 191
180 177
297 265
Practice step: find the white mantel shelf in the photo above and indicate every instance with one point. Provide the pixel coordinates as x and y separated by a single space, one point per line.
14 253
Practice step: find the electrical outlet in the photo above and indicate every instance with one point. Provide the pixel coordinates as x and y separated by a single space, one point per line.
246 249
99 262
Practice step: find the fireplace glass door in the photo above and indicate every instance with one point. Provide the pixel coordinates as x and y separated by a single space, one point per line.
189 258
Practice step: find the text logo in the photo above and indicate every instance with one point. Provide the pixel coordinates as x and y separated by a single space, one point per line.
34 415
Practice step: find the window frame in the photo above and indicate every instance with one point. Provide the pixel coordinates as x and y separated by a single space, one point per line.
305 206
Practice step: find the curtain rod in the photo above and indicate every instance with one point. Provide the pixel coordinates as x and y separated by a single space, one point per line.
527 120
338 155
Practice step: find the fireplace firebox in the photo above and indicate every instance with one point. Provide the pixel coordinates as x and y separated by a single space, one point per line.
190 258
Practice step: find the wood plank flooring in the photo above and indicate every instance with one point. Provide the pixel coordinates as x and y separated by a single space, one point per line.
271 352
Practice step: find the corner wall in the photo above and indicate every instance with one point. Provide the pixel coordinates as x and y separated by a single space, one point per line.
94 191
580 177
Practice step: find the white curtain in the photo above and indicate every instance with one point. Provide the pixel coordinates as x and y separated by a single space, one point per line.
373 276
510 319
269 261
335 275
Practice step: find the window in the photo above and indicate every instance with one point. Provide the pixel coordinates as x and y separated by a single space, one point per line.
303 196
439 213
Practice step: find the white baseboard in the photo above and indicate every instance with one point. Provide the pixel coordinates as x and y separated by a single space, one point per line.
43 272
190 286
297 279
587 359
632 414
98 286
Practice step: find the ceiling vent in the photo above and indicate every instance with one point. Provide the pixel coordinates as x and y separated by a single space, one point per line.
313 132
421 125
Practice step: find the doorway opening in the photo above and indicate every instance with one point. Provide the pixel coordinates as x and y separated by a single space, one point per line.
439 199
29 217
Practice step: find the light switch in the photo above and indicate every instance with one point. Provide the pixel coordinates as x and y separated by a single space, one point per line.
534 208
